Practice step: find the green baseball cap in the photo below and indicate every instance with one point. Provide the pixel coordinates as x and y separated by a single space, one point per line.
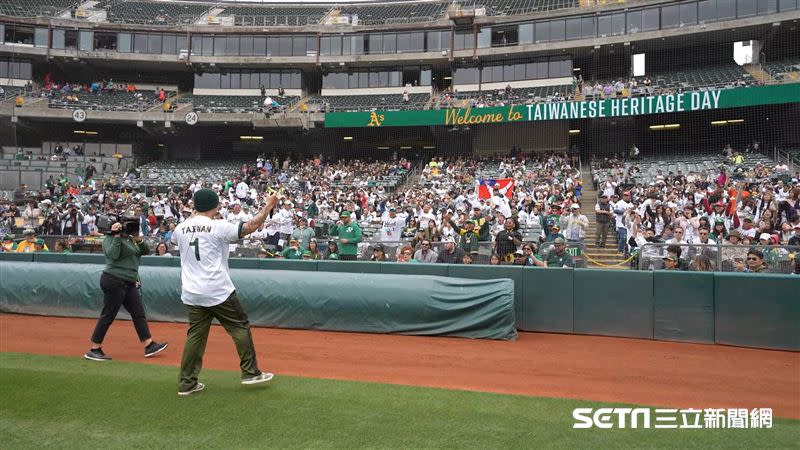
307 253
39 242
345 214
7 238
559 240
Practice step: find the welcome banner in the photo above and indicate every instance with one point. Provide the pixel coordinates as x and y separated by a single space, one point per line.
595 109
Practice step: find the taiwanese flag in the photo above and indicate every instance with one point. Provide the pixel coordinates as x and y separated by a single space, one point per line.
486 188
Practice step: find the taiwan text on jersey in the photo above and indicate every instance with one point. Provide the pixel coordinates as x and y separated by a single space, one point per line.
204 244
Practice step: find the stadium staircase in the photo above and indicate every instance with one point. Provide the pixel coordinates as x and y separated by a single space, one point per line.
759 74
603 258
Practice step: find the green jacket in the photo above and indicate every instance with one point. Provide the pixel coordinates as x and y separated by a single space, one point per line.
290 253
351 232
122 257
554 260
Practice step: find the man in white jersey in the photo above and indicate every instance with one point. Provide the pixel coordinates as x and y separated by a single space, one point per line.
207 290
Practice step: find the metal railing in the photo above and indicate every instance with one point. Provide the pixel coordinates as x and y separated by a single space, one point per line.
252 248
717 257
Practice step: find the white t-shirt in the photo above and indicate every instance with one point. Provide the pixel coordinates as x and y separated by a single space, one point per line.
242 189
392 229
204 247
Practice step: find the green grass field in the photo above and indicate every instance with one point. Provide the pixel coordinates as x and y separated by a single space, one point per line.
68 402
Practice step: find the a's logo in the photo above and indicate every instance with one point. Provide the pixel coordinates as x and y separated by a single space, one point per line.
375 119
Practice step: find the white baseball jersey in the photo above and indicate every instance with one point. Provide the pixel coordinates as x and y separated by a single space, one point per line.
204 246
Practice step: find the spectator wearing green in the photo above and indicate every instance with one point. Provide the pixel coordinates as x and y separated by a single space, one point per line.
303 233
8 244
349 236
469 237
293 251
558 257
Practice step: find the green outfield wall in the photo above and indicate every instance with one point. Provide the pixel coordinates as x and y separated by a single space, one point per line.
751 310
595 109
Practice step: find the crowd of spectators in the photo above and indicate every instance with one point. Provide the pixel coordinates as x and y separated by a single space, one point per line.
437 218
705 220
344 210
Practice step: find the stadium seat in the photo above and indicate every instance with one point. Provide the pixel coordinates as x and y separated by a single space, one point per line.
232 103
786 70
107 101
275 15
369 102
155 13
34 8
408 12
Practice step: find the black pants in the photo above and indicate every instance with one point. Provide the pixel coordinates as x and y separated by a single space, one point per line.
118 292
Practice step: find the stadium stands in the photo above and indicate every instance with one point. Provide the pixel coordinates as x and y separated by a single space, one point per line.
182 173
406 12
154 13
369 102
719 76
232 103
105 101
512 7
34 8
784 71
496 97
275 15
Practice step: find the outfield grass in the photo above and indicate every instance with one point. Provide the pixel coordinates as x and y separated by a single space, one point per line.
70 402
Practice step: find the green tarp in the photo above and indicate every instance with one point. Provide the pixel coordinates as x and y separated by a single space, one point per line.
370 303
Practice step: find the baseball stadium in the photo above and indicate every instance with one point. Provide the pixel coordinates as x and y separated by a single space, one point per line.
400 224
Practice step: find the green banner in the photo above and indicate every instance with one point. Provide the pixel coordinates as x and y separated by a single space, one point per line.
617 107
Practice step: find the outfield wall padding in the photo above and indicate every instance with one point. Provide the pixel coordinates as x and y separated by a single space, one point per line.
613 303
369 303
548 300
758 310
753 310
683 306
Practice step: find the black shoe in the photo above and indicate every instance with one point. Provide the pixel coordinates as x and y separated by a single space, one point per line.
154 348
96 354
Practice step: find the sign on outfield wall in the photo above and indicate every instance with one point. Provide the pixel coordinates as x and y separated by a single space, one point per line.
595 109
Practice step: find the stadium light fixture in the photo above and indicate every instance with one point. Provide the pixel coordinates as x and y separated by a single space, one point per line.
383 148
251 138
726 122
348 138
428 147
78 132
405 147
574 131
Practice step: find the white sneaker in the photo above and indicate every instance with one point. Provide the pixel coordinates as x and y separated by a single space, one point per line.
197 388
262 378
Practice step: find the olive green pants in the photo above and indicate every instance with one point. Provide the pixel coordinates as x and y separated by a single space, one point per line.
232 317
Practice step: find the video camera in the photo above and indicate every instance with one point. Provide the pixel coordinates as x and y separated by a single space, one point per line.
130 226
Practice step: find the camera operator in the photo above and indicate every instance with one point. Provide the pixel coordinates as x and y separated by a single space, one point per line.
120 284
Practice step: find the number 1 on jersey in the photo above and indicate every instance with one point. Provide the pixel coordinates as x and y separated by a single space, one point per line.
196 244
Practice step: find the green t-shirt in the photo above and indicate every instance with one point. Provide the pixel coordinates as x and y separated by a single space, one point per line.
290 253
351 232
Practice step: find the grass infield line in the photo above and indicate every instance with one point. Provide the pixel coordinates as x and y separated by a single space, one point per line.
69 402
